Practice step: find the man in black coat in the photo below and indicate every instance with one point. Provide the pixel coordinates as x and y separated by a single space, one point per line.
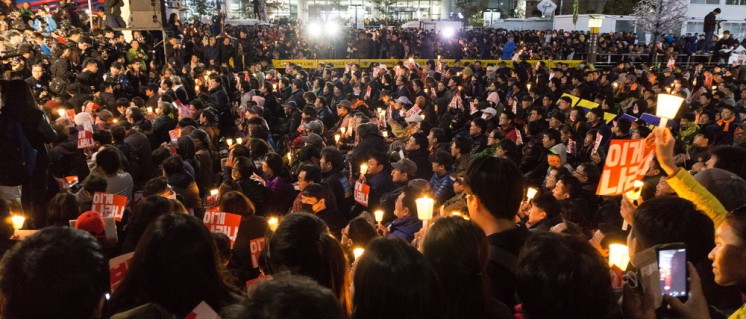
220 97
709 27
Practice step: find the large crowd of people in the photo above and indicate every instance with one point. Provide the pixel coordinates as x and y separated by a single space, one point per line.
328 167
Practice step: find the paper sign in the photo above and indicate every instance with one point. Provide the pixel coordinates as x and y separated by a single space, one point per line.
597 142
362 193
588 104
650 119
256 245
626 161
118 269
174 134
629 117
69 181
225 223
367 92
456 101
414 110
70 113
574 99
608 117
85 139
515 107
109 205
202 311
518 137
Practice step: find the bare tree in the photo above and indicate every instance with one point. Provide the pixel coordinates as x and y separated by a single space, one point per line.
382 6
660 16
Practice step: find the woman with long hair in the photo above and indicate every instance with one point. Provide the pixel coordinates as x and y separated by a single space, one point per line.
174 268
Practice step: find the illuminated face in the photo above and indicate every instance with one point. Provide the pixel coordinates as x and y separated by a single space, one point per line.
554 160
728 257
399 210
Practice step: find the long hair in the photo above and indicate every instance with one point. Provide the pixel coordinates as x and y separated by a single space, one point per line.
235 202
302 245
176 266
457 250
393 280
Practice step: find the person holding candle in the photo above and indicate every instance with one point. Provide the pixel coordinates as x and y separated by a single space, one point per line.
378 177
406 223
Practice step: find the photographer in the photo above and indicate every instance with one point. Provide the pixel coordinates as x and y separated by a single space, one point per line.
37 81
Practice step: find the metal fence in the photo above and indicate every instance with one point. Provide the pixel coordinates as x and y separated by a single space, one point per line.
685 60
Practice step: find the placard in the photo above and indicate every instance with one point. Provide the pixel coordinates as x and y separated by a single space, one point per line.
626 161
225 223
85 137
109 205
414 110
362 193
256 245
118 269
202 311
174 134
597 142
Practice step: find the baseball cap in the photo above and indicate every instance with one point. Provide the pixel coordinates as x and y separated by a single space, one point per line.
105 115
403 100
92 222
313 139
313 126
345 104
490 111
405 166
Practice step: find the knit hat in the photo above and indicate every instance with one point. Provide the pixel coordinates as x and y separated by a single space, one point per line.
92 222
83 118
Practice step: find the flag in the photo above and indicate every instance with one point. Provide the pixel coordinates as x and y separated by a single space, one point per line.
575 6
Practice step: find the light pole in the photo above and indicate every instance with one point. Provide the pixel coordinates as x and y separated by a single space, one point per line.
594 24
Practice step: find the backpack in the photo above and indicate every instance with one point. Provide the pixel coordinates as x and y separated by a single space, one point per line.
58 86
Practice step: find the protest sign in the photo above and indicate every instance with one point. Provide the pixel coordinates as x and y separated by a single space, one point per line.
202 311
225 223
626 161
85 137
256 245
362 192
118 269
174 134
109 205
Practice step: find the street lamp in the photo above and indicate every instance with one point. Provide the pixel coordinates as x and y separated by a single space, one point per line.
594 24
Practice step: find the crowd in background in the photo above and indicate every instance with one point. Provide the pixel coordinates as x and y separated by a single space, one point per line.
307 156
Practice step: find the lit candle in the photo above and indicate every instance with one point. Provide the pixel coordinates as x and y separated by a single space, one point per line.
363 169
635 193
456 213
667 107
229 142
618 256
17 221
274 86
383 113
379 215
196 88
150 109
357 252
425 90
343 129
425 208
380 110
615 85
422 116
528 86
336 138
714 87
385 134
273 222
114 121
214 192
530 193
239 141
61 112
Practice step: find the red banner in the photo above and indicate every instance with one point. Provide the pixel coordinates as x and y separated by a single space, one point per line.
225 223
109 205
256 245
626 161
118 269
85 139
174 134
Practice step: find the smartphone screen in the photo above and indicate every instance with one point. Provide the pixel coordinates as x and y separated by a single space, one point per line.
672 268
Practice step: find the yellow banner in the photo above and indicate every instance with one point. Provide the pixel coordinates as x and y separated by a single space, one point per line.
365 63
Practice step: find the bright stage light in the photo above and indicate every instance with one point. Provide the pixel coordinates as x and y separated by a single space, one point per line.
331 28
314 29
448 32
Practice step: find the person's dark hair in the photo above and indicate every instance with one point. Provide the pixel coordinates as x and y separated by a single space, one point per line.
308 152
549 204
317 191
244 166
411 289
360 231
561 276
302 245
439 134
737 221
222 246
591 172
173 165
381 157
62 208
155 186
313 172
58 272
185 148
237 203
486 174
457 250
463 144
109 160
176 266
421 140
286 296
118 132
553 134
332 155
669 219
730 158
274 162
571 184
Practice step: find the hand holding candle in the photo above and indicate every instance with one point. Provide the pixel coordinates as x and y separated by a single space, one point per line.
17 221
618 256
425 208
530 193
273 222
363 169
357 252
378 215
229 142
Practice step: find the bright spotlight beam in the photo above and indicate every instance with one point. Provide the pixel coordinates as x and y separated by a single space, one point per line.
331 28
448 32
314 29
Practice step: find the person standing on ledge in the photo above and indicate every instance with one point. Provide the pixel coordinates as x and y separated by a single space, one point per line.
709 28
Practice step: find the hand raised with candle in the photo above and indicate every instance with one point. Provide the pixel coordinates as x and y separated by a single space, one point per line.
664 143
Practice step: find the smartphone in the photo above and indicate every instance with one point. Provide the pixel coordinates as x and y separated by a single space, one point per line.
673 270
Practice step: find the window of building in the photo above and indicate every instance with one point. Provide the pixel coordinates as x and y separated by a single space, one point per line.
707 1
736 2
734 28
695 27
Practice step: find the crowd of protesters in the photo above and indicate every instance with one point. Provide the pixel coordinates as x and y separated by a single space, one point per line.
307 156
